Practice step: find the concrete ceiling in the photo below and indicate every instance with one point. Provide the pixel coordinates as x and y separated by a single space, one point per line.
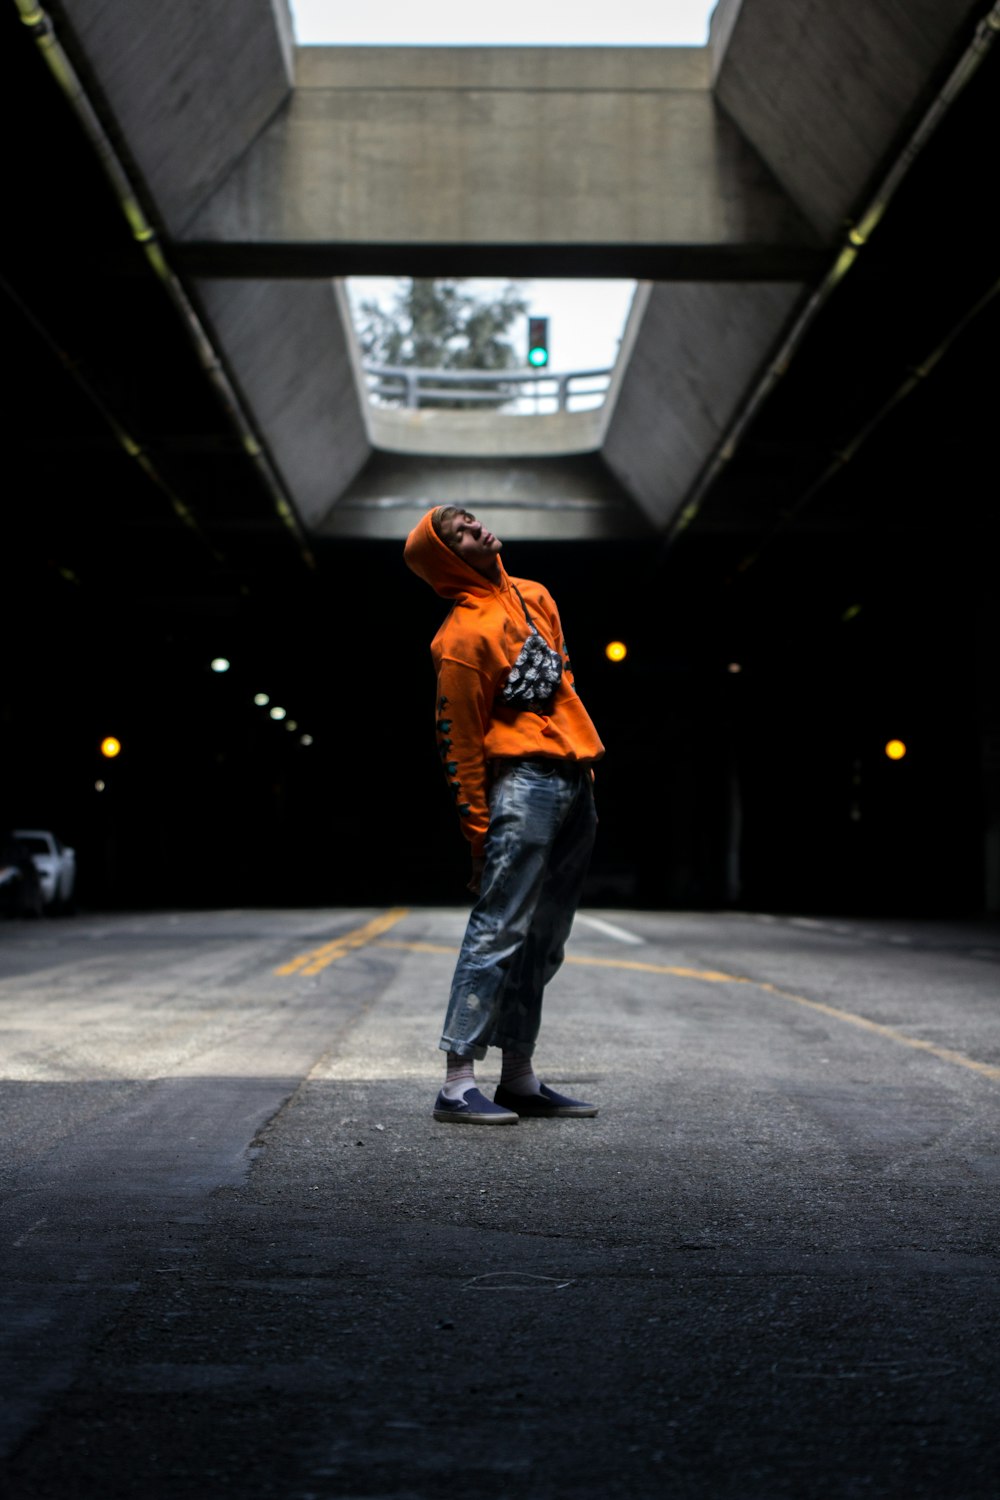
249 477
731 178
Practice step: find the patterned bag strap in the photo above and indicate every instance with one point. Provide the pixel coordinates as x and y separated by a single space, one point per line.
517 591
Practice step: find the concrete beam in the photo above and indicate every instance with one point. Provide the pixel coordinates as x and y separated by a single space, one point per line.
525 71
497 148
309 262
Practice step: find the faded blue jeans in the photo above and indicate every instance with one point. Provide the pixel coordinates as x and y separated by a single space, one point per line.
542 824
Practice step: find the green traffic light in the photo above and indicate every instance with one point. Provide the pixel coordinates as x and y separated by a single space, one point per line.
538 342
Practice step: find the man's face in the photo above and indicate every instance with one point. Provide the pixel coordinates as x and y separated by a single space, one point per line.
470 540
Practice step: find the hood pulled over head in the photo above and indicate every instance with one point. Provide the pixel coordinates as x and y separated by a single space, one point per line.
433 560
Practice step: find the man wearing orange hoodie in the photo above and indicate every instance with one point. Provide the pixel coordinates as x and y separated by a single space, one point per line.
517 746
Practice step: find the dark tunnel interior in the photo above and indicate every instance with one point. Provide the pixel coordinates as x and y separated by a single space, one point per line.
837 590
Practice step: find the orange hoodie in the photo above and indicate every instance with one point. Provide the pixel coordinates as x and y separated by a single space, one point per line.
473 652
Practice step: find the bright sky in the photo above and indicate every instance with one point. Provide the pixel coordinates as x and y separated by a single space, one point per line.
532 23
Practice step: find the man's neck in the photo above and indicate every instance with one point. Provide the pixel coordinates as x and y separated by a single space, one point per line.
491 572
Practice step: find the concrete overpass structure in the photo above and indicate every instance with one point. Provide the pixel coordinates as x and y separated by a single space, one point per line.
795 473
738 181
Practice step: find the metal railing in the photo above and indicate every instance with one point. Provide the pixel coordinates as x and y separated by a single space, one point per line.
521 392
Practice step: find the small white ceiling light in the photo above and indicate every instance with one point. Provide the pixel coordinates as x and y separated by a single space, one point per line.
277 713
261 699
220 664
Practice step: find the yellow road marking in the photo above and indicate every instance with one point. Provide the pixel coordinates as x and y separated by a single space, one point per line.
946 1054
419 947
716 976
710 976
316 961
593 963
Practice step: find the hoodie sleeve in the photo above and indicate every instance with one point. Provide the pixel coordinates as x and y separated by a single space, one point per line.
463 711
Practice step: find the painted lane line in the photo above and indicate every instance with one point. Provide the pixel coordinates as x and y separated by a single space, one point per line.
849 1017
356 939
592 963
946 1054
315 961
419 947
710 976
609 929
718 976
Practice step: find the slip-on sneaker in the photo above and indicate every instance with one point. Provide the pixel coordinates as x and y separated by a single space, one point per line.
546 1105
472 1109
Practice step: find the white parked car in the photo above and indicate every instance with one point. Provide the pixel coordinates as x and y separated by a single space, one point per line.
55 863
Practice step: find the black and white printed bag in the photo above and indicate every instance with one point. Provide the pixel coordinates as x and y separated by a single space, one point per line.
536 674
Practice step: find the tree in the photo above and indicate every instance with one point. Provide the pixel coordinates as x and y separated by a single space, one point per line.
437 325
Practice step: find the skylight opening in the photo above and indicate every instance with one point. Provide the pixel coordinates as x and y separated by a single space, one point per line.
518 23
467 344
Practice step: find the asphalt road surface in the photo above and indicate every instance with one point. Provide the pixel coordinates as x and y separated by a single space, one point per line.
241 1259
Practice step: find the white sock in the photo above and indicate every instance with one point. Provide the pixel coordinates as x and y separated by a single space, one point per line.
517 1074
459 1076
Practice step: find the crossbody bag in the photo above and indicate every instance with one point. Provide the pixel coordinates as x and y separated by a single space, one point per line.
536 674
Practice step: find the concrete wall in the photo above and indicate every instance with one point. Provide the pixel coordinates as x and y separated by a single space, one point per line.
503 146
287 347
546 499
457 433
190 85
696 352
824 90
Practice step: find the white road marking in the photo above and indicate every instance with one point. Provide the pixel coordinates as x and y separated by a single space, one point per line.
609 929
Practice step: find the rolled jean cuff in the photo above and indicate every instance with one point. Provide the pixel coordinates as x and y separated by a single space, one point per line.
515 1044
462 1049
